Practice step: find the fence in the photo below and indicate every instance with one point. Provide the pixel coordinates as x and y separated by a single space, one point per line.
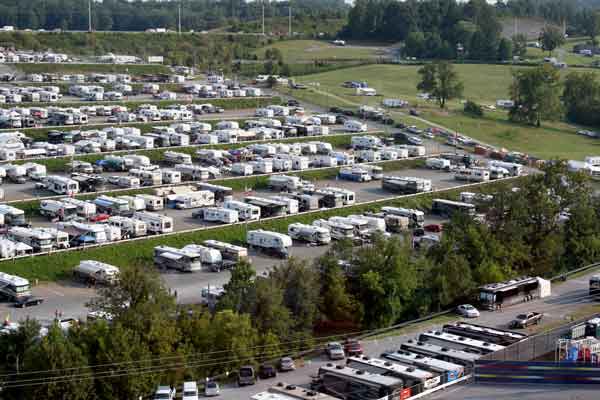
535 346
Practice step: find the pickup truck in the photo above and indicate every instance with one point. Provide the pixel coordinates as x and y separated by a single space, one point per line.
525 320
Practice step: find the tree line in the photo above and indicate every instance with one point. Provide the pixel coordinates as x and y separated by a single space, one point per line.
123 15
441 29
548 225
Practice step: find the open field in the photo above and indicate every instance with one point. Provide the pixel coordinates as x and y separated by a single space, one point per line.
308 50
483 84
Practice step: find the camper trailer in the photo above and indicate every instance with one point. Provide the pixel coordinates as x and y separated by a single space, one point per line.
112 205
96 272
197 199
337 230
61 185
83 208
246 212
53 209
12 216
270 242
152 203
155 223
183 260
309 233
130 228
40 242
218 214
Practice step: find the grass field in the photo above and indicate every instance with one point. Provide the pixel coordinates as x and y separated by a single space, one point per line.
308 50
483 84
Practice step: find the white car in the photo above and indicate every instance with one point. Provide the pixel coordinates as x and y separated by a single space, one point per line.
211 389
335 351
164 393
468 311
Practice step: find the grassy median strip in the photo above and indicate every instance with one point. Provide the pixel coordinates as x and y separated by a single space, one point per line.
127 254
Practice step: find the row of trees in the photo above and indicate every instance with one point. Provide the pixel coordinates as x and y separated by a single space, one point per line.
150 340
123 15
431 29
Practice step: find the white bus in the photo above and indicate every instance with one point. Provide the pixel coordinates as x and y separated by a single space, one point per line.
14 287
459 342
155 223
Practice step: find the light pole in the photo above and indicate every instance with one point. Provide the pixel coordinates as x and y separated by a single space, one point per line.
89 15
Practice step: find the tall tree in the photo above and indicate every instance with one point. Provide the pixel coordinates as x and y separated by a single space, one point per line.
238 288
591 24
536 95
519 42
337 304
441 81
551 37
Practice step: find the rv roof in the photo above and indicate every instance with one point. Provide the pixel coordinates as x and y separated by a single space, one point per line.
13 279
508 284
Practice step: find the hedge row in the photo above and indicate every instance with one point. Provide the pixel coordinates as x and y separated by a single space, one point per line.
58 266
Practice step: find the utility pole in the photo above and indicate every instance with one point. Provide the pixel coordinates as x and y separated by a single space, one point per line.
179 17
89 15
263 17
290 19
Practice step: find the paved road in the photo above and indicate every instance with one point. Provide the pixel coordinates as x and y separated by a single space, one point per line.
566 298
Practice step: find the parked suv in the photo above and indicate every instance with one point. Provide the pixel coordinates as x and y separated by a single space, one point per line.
246 376
164 393
353 347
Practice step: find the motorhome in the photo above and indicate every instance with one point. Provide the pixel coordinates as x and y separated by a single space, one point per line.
40 241
406 185
361 225
83 208
84 234
365 142
306 202
12 216
375 223
219 214
337 230
472 174
14 287
246 212
243 169
348 196
16 173
125 181
135 203
438 163
155 223
61 185
170 176
89 183
270 242
268 207
416 217
309 233
112 205
130 228
147 178
285 182
228 251
292 205
355 173
282 164
513 168
210 258
152 203
96 272
220 192
264 166
53 209
192 172
374 171
197 199
355 126
60 239
184 260
172 157
300 163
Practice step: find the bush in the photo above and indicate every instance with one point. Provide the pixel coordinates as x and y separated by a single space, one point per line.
473 109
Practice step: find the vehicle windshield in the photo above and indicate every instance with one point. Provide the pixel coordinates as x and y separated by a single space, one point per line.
468 307
192 393
211 385
246 372
22 289
158 396
521 316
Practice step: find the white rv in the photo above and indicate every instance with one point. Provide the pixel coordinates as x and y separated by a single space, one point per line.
365 142
58 209
355 126
134 203
193 199
83 208
285 182
170 176
416 217
60 239
40 241
14 287
272 242
112 205
228 251
129 227
211 258
155 223
292 205
96 272
246 212
309 233
220 214
184 260
152 203
438 163
173 157
12 216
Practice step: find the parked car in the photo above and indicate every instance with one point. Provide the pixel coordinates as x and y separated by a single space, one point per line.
414 112
335 351
293 103
353 347
266 371
164 393
211 389
418 232
525 320
246 376
28 301
433 228
468 311
286 364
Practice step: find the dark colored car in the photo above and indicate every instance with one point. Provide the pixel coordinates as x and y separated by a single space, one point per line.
352 347
335 110
418 232
340 119
433 228
267 371
28 301
414 112
293 103
246 376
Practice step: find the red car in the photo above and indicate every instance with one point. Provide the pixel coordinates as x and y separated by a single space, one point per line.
99 218
433 228
352 347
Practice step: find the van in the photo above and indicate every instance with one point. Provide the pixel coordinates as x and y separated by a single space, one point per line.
246 376
190 391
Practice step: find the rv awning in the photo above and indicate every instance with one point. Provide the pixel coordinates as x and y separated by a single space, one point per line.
22 247
171 256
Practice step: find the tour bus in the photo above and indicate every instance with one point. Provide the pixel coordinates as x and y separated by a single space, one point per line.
417 379
228 251
416 217
594 289
448 371
345 382
40 241
440 352
494 295
472 174
478 332
459 342
448 207
13 287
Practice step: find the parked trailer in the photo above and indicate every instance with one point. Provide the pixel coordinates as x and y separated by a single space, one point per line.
285 182
210 258
406 185
309 233
39 241
112 205
83 234
218 214
173 157
53 209
192 200
447 370
130 228
220 192
184 260
135 203
355 173
416 217
60 239
270 242
293 206
14 287
155 223
438 163
228 251
146 178
96 272
268 207
337 230
513 168
472 174
152 203
12 216
83 208
246 212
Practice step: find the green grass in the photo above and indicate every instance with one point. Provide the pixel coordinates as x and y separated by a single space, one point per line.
483 84
59 266
294 51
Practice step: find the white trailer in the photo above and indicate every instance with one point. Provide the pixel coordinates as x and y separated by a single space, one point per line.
84 209
292 205
197 199
472 174
155 223
220 214
210 258
416 217
246 212
348 196
285 182
40 242
129 227
61 185
368 155
243 169
375 223
11 216
513 168
264 166
360 225
173 157
170 176
152 203
11 286
192 172
58 209
228 251
355 126
84 234
438 163
60 239
112 205
147 178
336 230
309 233
282 164
365 142
134 203
184 260
300 162
96 272
271 242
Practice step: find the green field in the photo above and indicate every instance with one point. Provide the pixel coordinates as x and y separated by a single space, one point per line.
294 51
483 83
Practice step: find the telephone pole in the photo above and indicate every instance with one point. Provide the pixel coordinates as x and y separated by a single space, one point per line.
263 17
290 19
89 15
179 17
